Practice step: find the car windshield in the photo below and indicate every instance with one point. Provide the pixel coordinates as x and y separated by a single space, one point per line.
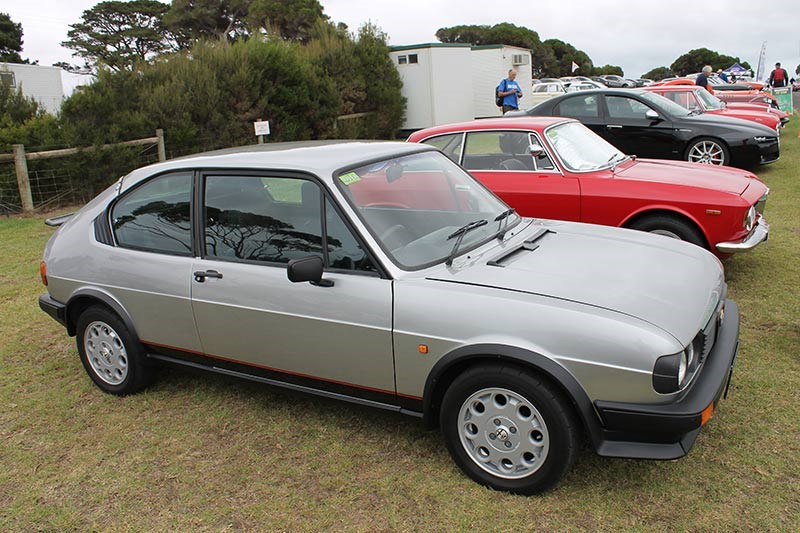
709 100
423 208
580 149
665 104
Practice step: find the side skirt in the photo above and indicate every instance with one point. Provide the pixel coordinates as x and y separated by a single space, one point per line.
285 385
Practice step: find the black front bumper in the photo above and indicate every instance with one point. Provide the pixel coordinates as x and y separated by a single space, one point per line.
55 309
668 431
751 154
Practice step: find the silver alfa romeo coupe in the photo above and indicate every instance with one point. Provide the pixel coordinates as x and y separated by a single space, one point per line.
384 274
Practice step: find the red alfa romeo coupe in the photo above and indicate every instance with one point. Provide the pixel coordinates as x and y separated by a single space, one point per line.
698 100
551 167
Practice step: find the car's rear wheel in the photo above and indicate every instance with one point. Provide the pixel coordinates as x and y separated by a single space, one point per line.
114 360
509 429
708 151
672 227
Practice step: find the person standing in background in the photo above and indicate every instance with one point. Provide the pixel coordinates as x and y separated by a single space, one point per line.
778 77
702 79
511 92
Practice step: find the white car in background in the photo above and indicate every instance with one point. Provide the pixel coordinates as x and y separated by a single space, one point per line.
545 91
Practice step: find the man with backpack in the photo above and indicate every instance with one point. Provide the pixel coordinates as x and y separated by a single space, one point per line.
508 93
778 77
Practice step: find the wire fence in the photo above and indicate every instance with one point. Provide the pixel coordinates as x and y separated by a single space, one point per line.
49 189
64 182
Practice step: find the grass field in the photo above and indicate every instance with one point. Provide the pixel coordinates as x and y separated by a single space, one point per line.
197 451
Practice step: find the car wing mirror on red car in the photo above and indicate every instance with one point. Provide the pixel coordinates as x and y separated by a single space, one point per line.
535 150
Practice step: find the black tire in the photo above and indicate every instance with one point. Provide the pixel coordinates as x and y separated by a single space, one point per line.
707 151
551 427
670 226
110 354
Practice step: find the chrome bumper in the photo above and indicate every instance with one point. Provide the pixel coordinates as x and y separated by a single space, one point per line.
759 234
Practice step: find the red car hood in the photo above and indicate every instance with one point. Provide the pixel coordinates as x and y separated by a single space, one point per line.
726 179
768 119
763 108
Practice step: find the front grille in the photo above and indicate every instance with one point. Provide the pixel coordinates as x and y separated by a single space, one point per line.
703 343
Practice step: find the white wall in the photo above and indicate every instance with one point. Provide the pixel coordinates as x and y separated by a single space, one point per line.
40 83
416 87
489 67
438 87
452 85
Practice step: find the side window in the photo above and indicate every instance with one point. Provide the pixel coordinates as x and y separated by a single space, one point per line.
682 99
155 216
344 252
579 107
622 107
497 150
261 219
450 145
274 220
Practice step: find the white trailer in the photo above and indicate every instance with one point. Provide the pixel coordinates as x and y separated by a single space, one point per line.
490 66
451 82
436 83
43 84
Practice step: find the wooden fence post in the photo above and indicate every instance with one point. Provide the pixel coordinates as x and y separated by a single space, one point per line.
23 183
162 151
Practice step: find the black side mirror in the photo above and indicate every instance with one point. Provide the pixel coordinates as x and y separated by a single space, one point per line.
307 269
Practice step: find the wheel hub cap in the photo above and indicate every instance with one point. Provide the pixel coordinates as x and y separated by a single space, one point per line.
707 152
106 353
503 433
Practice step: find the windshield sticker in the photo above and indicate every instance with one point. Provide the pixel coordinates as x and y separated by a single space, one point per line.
349 178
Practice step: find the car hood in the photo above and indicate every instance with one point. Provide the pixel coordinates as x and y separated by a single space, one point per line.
668 283
745 127
726 179
745 114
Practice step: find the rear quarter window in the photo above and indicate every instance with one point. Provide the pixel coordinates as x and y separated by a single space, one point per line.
156 216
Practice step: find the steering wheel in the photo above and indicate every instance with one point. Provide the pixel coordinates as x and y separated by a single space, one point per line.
395 237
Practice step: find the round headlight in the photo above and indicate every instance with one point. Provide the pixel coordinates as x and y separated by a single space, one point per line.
682 367
750 218
690 355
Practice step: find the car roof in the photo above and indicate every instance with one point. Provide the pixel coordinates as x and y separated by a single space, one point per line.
510 123
653 88
322 158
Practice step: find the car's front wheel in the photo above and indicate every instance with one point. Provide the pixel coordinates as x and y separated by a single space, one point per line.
114 360
509 429
708 151
670 226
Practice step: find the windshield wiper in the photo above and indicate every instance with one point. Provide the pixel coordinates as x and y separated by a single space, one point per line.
503 217
460 232
614 159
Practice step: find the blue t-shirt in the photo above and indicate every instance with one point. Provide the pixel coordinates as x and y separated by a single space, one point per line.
511 99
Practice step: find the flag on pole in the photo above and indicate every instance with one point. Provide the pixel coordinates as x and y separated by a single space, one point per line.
575 66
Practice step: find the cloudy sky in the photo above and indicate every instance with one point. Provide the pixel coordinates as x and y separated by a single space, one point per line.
637 36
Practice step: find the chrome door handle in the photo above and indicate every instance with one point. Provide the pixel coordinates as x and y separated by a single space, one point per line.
613 126
200 276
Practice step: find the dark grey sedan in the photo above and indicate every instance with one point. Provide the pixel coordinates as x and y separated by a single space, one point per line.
649 125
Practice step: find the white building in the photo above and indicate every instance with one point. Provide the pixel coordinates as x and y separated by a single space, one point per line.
490 65
450 82
43 84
